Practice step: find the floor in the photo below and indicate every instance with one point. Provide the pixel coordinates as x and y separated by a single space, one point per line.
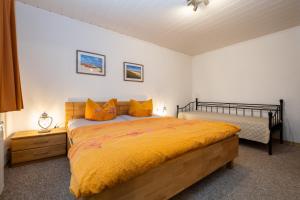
255 176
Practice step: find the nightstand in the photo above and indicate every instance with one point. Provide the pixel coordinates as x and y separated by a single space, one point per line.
31 145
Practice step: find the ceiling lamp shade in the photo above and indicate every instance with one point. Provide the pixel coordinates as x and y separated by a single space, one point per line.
196 3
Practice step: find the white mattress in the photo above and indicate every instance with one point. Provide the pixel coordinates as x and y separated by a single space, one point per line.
252 128
128 117
75 123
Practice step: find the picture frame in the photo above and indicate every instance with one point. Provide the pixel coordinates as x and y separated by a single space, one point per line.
133 72
90 63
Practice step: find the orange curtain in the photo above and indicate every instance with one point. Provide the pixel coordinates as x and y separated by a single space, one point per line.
10 85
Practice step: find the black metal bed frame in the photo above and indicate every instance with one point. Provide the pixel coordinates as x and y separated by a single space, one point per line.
273 112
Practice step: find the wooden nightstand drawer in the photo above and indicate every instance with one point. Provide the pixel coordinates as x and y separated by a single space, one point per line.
35 142
32 145
38 153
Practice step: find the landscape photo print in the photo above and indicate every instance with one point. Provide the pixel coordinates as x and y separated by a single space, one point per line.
90 63
133 72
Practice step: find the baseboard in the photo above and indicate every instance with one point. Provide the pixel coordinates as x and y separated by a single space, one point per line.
288 142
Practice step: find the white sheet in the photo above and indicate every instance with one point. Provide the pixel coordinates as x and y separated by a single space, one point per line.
252 128
128 117
75 123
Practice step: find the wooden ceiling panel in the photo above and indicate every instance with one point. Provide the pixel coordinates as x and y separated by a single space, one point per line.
171 24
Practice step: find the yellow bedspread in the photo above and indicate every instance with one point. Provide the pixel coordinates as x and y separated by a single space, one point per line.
107 154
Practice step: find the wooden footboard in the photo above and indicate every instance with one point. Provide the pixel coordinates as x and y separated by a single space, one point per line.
172 177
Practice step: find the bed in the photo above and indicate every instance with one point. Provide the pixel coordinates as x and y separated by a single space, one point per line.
183 159
257 121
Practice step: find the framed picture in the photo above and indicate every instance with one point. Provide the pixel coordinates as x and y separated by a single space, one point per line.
90 63
133 72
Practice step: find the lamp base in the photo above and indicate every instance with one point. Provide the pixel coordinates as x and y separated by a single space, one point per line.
44 131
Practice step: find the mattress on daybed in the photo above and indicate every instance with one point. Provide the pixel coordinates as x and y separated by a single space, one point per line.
252 128
105 155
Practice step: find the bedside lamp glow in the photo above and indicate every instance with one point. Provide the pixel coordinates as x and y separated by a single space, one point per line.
161 111
45 122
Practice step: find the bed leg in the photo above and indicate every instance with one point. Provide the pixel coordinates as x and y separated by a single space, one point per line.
281 119
229 165
281 134
270 114
270 145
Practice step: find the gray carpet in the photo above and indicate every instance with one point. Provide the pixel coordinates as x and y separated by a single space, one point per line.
255 176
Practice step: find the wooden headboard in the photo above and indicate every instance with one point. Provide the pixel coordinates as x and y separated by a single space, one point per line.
76 110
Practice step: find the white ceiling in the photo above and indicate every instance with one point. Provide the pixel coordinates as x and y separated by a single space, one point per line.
171 24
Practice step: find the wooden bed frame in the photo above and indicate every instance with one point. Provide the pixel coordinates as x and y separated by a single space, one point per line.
171 177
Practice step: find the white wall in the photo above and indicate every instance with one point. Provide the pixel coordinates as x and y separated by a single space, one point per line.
47 43
261 70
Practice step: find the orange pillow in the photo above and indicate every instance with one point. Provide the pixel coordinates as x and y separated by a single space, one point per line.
115 101
96 112
138 109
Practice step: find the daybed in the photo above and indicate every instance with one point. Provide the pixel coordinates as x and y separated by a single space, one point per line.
257 121
104 151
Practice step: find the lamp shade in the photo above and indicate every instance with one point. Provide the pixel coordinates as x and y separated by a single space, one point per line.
45 121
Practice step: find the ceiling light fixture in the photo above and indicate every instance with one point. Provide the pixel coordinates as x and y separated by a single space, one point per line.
196 3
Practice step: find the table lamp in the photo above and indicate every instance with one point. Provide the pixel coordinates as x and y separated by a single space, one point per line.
45 122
